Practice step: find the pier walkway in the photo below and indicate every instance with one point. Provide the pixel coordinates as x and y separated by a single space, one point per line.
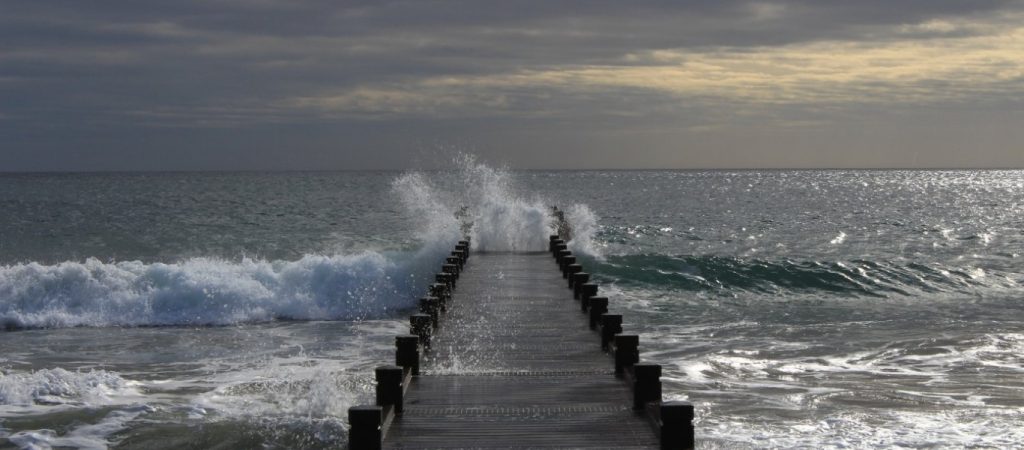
507 358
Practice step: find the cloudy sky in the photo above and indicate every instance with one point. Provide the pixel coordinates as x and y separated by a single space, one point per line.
333 84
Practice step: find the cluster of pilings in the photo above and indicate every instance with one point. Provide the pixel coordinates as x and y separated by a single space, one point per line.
672 420
369 423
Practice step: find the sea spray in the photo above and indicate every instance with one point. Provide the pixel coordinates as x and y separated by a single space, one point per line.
479 200
584 227
502 220
339 286
507 218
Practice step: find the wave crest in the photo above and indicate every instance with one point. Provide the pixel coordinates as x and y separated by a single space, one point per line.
853 278
203 291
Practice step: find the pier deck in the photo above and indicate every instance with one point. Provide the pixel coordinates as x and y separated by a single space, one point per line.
515 364
503 356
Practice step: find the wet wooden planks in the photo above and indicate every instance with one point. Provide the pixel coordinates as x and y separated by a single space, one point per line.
515 365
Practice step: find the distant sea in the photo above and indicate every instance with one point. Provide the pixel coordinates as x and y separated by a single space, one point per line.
814 309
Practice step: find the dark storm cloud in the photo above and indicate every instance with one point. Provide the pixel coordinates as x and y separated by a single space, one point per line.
128 74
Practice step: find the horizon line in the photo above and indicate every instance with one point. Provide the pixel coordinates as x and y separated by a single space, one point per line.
528 169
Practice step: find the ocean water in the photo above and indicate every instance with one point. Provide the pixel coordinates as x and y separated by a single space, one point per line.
814 309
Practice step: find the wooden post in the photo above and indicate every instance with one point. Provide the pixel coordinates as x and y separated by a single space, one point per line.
571 270
627 352
441 292
564 265
559 249
365 427
562 254
445 278
456 261
579 279
588 290
407 352
646 385
420 325
551 242
598 306
677 425
389 386
453 269
429 306
458 256
557 246
611 324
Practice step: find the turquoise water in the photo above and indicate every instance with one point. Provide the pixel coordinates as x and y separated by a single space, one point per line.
795 308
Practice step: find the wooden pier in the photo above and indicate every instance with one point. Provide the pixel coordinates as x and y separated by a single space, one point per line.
517 350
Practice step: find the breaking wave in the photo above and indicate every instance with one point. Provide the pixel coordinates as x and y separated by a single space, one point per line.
201 291
846 278
478 201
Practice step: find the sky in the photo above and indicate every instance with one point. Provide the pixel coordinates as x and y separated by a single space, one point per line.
336 85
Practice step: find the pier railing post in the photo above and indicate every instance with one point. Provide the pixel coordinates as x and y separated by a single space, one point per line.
627 352
364 431
551 242
445 278
576 282
561 254
453 269
646 385
598 306
455 261
441 292
559 248
389 387
429 306
677 425
588 290
570 272
565 263
611 324
420 325
407 352
458 256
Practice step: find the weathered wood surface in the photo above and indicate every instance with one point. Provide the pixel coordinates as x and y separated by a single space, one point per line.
515 365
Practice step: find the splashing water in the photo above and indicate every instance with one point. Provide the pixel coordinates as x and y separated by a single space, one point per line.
584 227
60 387
502 218
220 291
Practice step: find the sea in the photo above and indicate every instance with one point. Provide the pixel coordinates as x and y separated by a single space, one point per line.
794 308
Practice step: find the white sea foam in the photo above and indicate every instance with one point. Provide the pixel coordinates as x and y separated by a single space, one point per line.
281 391
86 437
56 387
202 291
883 428
838 239
212 291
